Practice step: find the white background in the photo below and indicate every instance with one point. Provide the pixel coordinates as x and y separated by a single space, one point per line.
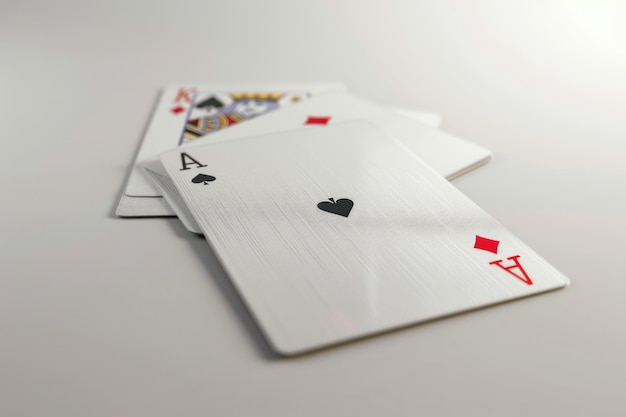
101 316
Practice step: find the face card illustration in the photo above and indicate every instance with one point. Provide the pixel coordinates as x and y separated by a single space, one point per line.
211 112
337 232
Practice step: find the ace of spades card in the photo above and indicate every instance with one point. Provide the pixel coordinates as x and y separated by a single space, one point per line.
338 232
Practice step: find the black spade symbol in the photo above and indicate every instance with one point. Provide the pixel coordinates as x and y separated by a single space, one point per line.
210 102
203 178
342 207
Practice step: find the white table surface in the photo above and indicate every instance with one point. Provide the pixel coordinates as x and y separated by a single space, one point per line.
101 316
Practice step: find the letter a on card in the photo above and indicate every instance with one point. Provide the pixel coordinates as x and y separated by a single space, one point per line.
185 160
524 277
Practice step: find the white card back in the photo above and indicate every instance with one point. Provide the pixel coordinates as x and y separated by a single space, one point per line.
405 253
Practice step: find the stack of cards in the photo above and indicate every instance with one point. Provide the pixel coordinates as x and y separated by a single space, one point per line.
331 215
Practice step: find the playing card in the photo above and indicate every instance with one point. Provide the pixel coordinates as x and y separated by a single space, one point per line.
212 108
335 233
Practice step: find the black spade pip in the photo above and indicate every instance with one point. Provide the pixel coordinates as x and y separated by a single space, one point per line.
203 179
342 207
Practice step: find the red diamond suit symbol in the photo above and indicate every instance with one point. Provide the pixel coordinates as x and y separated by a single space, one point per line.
487 244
